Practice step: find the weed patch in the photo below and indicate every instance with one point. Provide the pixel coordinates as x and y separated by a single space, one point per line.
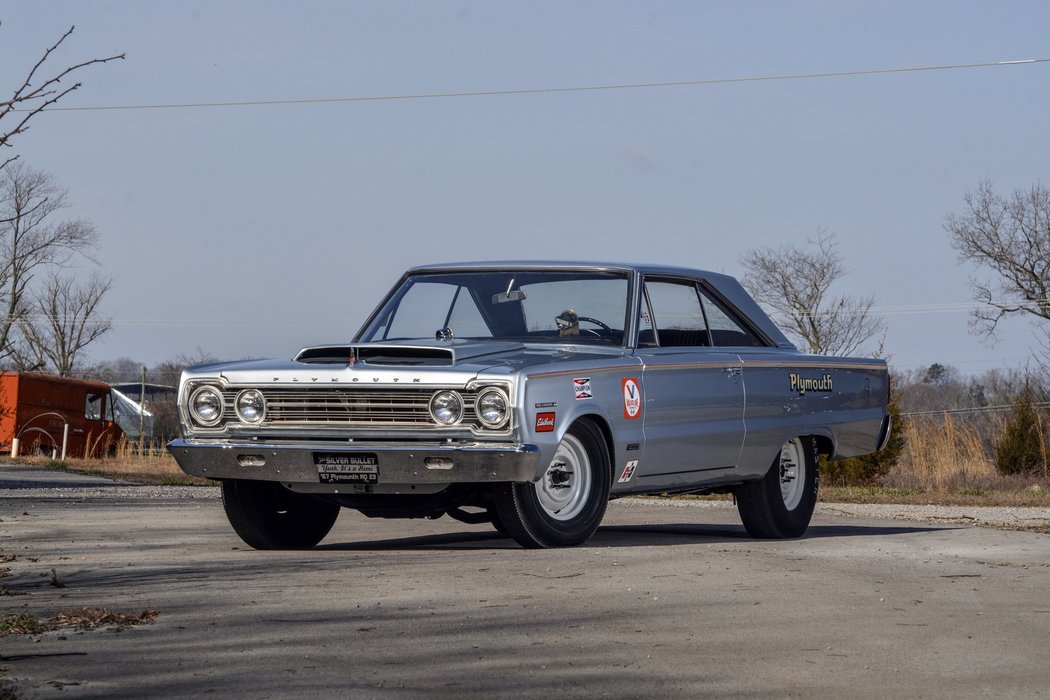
82 619
155 469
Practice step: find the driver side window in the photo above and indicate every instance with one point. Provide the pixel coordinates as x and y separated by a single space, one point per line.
93 407
675 317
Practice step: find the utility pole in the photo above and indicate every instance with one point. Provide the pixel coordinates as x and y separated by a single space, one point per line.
142 411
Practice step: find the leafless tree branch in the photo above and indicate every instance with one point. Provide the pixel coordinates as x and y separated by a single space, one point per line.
1010 238
29 100
63 319
30 241
795 282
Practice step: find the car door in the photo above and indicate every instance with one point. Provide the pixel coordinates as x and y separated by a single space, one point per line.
694 393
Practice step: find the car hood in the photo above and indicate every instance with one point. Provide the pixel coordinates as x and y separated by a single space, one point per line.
415 361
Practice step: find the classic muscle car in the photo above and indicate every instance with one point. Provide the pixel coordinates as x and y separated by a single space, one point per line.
528 395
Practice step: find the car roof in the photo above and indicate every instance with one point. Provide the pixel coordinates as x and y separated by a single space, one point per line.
642 268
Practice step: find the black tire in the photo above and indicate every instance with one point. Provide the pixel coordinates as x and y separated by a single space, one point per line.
266 515
780 505
496 522
567 504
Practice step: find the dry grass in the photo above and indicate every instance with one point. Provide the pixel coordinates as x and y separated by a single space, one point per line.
1002 495
950 462
82 619
151 468
942 454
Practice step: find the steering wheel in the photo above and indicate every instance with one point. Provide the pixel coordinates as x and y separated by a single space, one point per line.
596 322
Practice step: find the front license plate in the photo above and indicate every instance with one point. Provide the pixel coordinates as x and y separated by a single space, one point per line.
339 468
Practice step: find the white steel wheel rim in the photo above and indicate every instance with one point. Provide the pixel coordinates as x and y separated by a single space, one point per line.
563 489
792 474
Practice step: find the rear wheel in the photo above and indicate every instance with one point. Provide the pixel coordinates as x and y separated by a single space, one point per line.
567 504
266 515
780 505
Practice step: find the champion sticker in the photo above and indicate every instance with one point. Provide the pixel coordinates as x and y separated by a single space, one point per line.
632 398
628 472
545 422
581 386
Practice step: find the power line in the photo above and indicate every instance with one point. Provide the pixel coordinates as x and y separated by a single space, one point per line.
1037 307
298 319
548 90
975 409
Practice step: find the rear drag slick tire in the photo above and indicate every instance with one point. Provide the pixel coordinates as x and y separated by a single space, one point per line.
780 504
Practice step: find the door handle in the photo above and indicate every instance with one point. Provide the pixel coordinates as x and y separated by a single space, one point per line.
733 372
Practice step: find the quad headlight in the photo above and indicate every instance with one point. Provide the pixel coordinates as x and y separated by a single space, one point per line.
251 406
206 405
493 408
446 407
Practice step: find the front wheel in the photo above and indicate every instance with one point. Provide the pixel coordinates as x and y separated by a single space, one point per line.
266 515
780 504
567 504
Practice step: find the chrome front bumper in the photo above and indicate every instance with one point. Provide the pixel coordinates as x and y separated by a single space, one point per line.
398 463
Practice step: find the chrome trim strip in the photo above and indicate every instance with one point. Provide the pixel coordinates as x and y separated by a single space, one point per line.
816 364
592 372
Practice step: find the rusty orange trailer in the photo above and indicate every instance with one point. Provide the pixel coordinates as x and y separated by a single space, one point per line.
41 411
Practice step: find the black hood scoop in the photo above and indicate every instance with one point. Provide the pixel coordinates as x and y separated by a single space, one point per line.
445 355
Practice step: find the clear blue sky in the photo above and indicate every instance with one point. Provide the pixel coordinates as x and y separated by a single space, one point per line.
253 231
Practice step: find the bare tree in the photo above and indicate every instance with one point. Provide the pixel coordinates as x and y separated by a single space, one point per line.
118 371
36 93
62 320
795 282
30 241
1011 239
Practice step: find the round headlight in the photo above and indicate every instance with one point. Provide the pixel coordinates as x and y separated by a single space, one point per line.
446 407
206 405
492 408
251 406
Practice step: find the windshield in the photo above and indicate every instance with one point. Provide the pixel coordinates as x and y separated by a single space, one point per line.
562 307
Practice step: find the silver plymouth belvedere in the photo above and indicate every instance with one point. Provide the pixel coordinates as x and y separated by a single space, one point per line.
527 395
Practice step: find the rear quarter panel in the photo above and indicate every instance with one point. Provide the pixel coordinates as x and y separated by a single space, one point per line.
789 394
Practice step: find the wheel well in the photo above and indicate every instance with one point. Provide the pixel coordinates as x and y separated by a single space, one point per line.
606 431
824 444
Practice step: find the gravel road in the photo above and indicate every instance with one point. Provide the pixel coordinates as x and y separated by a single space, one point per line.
669 598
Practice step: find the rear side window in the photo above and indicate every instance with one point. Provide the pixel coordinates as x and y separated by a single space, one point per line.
681 313
727 331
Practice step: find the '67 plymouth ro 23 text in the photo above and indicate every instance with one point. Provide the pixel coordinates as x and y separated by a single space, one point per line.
527 395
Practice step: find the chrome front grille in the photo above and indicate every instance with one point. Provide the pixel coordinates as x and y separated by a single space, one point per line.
358 406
